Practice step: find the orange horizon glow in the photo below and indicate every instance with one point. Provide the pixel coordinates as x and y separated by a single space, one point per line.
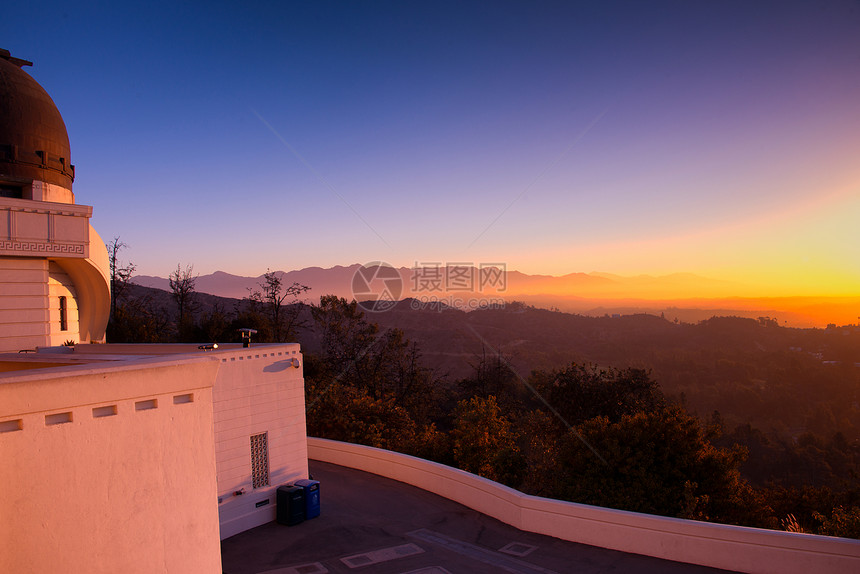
809 249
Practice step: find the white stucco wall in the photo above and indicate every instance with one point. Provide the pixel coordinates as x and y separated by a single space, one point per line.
30 291
61 285
24 312
43 191
109 468
258 390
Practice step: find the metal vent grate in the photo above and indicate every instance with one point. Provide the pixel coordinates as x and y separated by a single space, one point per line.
260 460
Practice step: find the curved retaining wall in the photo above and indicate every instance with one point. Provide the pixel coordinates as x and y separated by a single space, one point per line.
736 548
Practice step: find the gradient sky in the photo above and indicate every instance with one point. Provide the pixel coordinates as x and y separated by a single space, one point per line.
719 138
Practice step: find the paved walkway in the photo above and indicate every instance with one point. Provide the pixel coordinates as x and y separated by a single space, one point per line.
373 524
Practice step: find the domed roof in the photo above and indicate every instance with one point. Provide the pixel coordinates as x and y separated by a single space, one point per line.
34 143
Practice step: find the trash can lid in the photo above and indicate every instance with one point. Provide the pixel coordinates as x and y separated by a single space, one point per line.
289 488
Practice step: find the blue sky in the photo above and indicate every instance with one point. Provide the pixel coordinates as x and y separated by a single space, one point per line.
720 138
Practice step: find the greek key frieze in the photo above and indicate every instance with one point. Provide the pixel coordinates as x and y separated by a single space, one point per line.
38 247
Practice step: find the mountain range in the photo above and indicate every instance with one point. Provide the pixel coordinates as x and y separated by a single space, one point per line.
685 296
449 281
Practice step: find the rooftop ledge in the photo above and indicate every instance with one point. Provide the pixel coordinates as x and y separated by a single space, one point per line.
55 358
50 373
744 549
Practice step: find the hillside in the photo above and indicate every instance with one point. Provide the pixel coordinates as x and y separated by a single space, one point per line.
785 379
781 379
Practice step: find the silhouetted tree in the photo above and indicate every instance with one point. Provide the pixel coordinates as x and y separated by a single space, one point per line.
120 275
182 283
138 320
284 318
133 319
215 325
540 437
385 364
657 462
368 386
182 290
582 392
492 375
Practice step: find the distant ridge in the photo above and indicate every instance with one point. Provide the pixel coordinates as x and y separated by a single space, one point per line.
685 296
338 281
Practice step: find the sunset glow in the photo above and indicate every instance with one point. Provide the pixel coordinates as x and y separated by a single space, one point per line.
715 139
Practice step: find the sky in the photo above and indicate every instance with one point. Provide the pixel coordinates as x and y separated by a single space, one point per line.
716 138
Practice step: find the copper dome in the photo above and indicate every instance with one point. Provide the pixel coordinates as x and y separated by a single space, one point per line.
34 144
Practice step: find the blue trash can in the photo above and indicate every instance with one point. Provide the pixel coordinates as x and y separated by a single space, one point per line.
312 497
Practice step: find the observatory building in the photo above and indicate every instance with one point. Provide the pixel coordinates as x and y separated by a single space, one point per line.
117 458
54 276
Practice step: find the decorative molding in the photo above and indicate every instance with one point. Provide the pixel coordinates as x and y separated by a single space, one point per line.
36 206
40 248
62 212
43 229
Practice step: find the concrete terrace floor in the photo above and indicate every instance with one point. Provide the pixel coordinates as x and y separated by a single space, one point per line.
373 524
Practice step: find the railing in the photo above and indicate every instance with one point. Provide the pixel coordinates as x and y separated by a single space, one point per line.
736 548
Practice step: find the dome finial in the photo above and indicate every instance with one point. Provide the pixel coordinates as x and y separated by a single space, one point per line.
17 61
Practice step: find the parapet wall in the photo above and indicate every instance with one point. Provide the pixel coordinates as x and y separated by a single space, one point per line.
737 548
109 467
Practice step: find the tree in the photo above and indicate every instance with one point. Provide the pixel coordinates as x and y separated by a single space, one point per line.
540 438
841 522
120 275
582 392
215 325
368 386
384 364
346 335
250 313
133 319
138 320
348 343
485 443
182 289
492 375
657 462
284 319
413 386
